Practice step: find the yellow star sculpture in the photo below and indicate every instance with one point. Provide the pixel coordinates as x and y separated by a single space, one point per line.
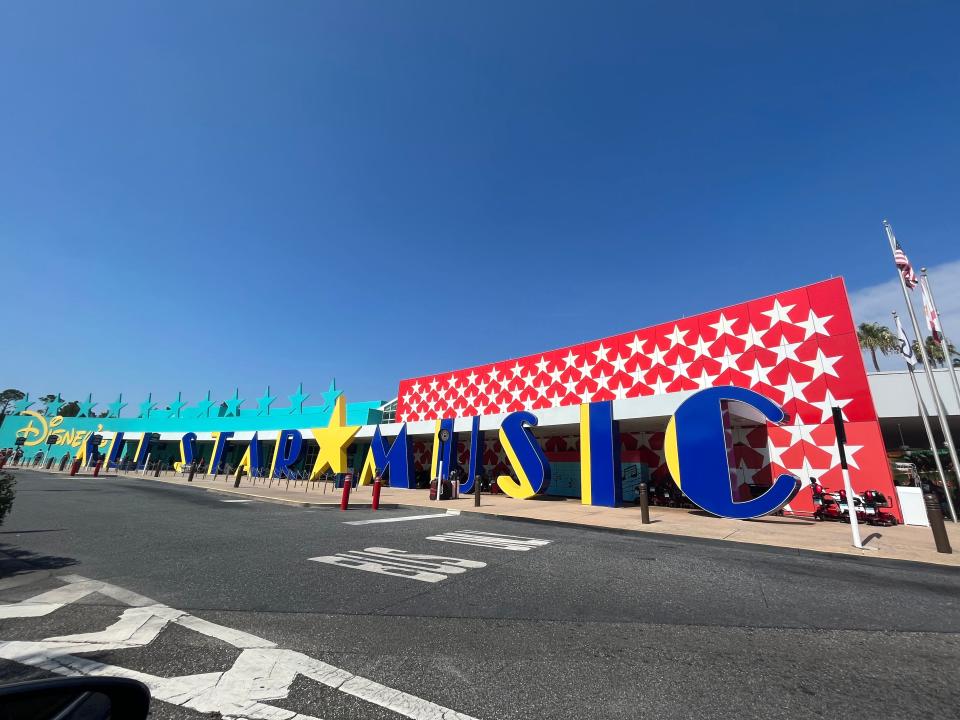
334 440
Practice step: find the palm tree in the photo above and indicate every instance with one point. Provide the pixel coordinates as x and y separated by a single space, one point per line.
875 337
934 351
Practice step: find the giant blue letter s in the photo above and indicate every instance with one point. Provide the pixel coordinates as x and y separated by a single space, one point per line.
697 454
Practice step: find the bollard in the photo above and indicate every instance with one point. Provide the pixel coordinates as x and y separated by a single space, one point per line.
193 470
644 504
63 463
49 463
345 498
96 468
935 516
3 461
156 470
476 492
75 467
237 476
375 503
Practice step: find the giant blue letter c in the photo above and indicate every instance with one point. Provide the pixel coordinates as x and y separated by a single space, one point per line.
697 452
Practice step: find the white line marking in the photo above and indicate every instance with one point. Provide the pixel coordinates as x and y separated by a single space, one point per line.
399 563
262 671
492 540
237 501
448 513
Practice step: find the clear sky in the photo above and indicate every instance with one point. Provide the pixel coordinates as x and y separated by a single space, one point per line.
202 194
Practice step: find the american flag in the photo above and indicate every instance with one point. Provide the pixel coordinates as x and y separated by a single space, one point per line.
900 258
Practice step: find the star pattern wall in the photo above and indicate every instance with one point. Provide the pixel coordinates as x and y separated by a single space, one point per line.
799 348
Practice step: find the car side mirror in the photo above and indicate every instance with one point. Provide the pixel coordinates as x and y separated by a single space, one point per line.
75 698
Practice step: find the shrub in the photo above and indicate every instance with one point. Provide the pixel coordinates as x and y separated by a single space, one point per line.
7 492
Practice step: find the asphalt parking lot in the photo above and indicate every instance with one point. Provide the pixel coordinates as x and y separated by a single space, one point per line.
256 609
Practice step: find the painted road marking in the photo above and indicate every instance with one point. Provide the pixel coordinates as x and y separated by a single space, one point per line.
400 563
448 513
236 501
488 539
261 672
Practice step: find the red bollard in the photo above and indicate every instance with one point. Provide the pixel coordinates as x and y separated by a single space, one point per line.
3 461
96 468
75 467
376 494
345 498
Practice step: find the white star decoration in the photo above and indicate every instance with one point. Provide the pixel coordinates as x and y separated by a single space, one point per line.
677 336
636 345
723 326
828 403
752 337
814 324
823 365
792 389
779 313
758 373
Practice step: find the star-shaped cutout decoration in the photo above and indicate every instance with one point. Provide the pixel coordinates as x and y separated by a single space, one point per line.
176 406
799 432
334 440
636 345
849 451
814 324
792 389
116 406
233 404
147 406
828 403
21 405
677 336
53 406
779 313
299 397
203 407
266 400
724 326
752 338
86 406
758 373
331 395
823 365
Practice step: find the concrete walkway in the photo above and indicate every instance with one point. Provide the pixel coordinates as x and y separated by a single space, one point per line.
895 543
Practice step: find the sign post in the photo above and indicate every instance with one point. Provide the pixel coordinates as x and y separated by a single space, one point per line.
443 436
851 507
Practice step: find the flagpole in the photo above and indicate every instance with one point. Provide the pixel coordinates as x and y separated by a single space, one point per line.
938 402
922 409
944 343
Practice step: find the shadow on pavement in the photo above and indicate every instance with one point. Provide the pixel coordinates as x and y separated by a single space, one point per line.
16 561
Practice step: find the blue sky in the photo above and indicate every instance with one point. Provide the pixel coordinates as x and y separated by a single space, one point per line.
202 195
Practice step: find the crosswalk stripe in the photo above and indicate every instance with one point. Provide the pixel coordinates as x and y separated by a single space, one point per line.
448 513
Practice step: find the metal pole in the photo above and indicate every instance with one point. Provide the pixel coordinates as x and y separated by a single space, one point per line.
924 417
644 504
941 410
847 485
944 343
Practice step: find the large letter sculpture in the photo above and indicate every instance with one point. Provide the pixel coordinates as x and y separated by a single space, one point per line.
599 456
697 454
526 457
286 452
398 460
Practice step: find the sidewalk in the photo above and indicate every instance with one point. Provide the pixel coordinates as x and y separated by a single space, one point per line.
894 543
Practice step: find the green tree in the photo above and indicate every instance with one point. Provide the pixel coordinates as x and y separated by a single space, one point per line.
70 409
875 338
8 397
934 351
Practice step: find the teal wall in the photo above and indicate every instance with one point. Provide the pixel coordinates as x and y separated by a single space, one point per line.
73 431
